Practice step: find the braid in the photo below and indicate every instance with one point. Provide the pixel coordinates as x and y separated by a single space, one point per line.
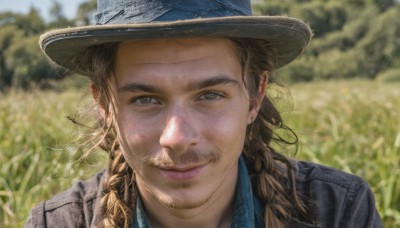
272 174
269 178
119 189
270 190
119 192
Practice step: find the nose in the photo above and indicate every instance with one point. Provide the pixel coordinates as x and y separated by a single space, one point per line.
179 133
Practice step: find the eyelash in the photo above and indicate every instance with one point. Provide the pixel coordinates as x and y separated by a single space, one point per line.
153 100
216 95
137 100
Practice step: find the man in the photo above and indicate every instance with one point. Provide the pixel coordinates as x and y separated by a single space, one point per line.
180 89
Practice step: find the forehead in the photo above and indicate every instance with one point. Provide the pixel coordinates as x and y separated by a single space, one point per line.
165 51
175 59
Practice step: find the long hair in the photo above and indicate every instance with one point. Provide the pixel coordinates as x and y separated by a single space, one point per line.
272 174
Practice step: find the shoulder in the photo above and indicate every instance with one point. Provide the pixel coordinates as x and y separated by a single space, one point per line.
73 207
337 199
308 173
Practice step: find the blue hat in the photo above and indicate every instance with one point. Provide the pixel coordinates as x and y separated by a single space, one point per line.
121 20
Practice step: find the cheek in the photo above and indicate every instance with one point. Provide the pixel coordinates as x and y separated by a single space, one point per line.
136 138
133 129
227 129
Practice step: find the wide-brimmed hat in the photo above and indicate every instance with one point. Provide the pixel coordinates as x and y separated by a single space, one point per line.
121 20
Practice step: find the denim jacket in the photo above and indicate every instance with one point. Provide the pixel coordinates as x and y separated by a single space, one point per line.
339 200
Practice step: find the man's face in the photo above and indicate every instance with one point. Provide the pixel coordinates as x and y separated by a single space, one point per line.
181 117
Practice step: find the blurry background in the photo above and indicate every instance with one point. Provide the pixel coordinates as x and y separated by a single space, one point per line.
43 6
341 97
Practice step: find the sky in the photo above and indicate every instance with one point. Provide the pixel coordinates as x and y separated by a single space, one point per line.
22 6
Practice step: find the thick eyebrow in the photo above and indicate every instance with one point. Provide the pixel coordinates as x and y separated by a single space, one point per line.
218 80
132 87
195 85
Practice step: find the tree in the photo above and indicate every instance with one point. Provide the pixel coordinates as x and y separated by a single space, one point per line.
31 23
56 11
85 12
28 64
58 20
381 45
321 16
8 34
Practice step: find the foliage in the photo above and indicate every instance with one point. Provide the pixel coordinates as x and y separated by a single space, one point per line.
321 16
351 38
86 12
22 63
28 63
8 33
391 75
30 23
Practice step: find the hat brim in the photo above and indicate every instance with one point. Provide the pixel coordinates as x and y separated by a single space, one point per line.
288 36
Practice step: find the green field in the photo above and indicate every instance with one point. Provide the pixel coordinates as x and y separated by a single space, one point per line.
353 126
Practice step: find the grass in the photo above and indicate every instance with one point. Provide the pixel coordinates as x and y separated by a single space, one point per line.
36 154
353 126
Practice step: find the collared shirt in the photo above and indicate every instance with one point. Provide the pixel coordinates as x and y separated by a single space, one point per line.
338 200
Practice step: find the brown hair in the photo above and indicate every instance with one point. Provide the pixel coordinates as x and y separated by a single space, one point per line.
271 173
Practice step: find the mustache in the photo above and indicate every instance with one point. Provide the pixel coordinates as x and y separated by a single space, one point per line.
169 158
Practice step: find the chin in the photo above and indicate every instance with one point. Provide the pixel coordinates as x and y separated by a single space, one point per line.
181 201
183 204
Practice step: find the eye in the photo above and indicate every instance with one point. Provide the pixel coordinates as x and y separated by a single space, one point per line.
144 100
210 95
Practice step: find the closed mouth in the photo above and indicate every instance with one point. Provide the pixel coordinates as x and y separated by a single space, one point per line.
182 173
181 168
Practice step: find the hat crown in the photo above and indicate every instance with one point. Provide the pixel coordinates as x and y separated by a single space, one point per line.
145 11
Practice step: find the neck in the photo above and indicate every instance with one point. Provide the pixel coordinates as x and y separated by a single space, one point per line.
192 218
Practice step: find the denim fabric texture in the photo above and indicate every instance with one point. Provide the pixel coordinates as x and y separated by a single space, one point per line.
337 199
143 11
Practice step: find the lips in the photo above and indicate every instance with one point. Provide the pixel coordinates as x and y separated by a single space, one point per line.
182 173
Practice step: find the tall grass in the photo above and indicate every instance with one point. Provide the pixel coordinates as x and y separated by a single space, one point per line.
355 127
352 126
36 155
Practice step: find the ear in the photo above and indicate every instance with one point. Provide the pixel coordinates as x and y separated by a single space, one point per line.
258 98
